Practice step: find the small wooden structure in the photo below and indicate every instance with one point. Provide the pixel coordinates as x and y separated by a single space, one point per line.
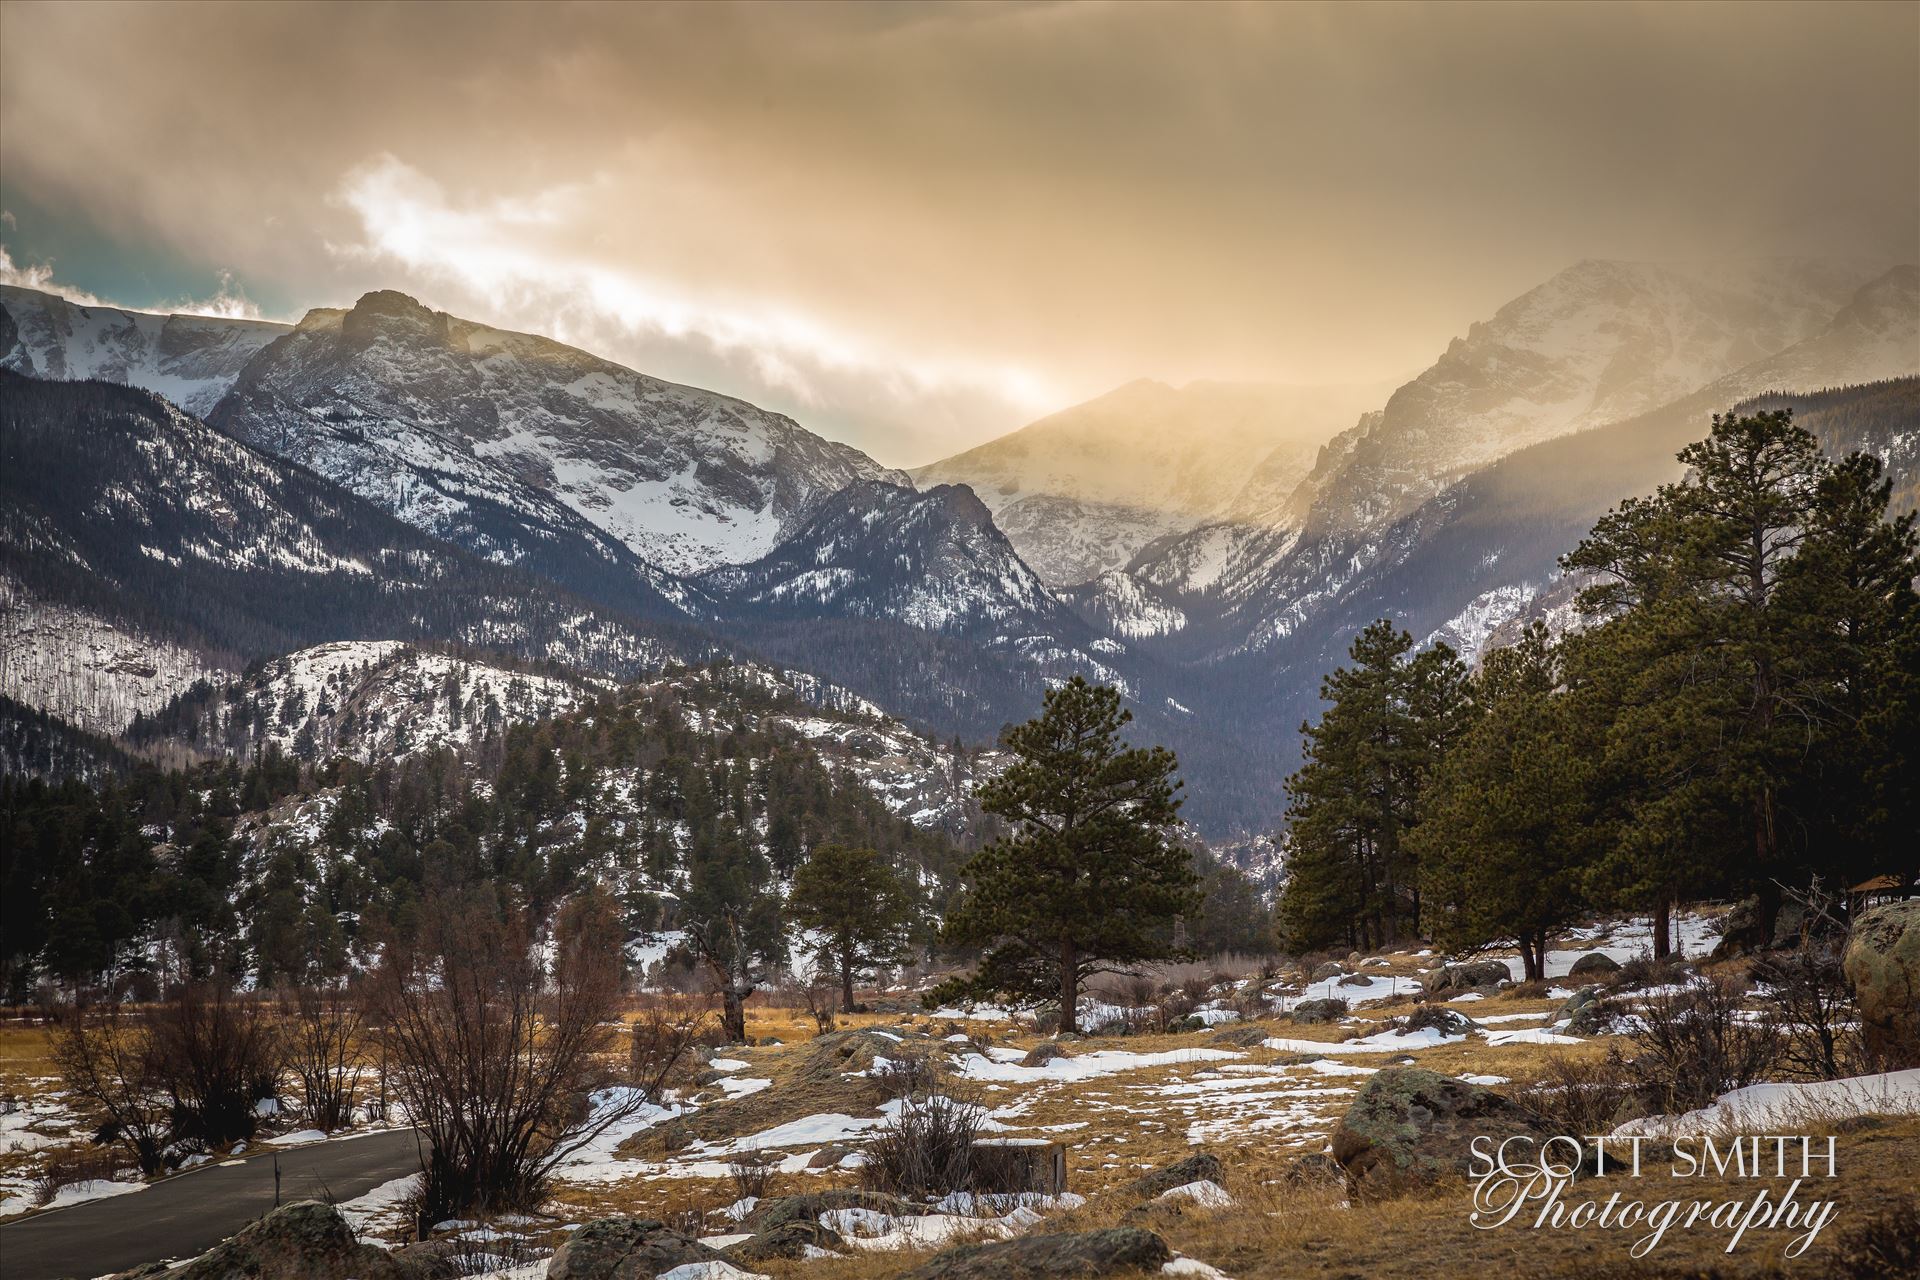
1012 1165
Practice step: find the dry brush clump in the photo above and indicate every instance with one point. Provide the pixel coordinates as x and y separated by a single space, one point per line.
662 1039
1694 1044
927 1147
322 1032
496 1055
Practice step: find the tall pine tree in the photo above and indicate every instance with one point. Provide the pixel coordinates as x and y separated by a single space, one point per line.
1089 875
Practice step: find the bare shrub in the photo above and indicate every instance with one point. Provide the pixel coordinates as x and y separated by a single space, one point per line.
1644 971
1693 1045
752 1174
322 1029
1580 1095
1887 1244
926 1149
819 1001
662 1039
493 1056
914 1073
217 1053
105 1058
65 1168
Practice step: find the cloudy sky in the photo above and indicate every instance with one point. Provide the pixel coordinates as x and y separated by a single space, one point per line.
918 227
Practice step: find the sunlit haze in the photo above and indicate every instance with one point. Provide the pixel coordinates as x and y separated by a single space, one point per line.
917 227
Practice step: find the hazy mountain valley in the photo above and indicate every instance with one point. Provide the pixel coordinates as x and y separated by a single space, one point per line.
1208 549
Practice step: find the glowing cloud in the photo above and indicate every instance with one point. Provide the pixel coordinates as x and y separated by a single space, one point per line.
514 254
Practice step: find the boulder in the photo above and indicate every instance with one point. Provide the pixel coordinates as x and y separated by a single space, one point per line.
830 1155
1467 977
1081 1253
1321 972
1598 964
1202 1166
1238 1037
1436 1017
1043 1053
1319 1010
305 1240
625 1249
788 1240
1789 926
1588 1012
807 1208
1354 980
1882 961
1740 931
1410 1126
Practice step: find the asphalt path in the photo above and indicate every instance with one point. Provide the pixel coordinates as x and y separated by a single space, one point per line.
191 1212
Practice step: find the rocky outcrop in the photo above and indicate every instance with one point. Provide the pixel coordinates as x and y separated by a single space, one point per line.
625 1249
1202 1166
1327 1010
1434 1017
791 1239
1882 961
1467 977
1594 964
1409 1127
1084 1253
769 1214
306 1240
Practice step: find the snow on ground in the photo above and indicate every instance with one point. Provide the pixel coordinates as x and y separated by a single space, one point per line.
1085 1066
93 1189
597 1161
1342 987
1624 941
1789 1107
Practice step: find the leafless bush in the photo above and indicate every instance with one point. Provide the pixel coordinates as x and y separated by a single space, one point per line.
1693 1045
819 998
322 1041
1580 1095
752 1174
663 1038
914 1073
494 1057
105 1058
1645 971
217 1053
64 1168
926 1149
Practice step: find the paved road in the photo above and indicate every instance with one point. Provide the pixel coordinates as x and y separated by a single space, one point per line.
192 1212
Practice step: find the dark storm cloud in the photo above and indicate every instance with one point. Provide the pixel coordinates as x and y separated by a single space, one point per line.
917 226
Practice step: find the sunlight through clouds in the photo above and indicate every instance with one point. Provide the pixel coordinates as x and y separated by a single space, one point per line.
512 254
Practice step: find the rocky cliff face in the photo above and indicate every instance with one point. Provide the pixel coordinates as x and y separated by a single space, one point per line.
428 414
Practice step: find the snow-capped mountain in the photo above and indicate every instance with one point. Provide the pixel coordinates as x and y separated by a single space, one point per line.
933 560
366 699
1081 491
1599 343
917 601
427 414
191 360
141 549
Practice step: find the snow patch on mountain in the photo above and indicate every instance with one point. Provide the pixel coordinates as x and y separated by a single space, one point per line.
389 398
91 672
370 700
191 360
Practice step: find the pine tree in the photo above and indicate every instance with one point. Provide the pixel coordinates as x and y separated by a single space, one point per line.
1505 834
859 906
1350 873
1088 872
